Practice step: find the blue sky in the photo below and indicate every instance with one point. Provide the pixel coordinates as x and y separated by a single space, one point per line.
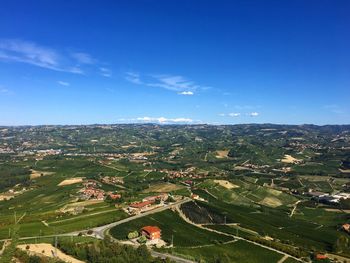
183 61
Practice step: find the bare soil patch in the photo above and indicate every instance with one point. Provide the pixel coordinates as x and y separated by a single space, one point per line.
85 203
70 181
163 188
6 196
226 184
222 154
37 174
271 201
48 250
289 159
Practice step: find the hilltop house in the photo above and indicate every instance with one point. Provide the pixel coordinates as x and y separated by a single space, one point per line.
346 227
160 197
114 196
151 232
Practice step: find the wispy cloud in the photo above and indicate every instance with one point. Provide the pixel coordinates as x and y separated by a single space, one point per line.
2 90
83 58
176 83
5 91
16 50
133 77
105 72
246 107
231 114
253 114
234 114
334 108
186 93
63 83
160 120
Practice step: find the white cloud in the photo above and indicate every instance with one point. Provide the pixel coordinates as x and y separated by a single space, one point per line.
187 93
63 83
170 82
160 120
28 52
4 90
175 83
254 114
334 108
83 58
164 120
234 114
222 114
14 50
105 72
247 107
133 78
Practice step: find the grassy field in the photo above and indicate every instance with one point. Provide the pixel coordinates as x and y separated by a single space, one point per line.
239 251
247 193
290 260
184 234
316 229
45 198
81 222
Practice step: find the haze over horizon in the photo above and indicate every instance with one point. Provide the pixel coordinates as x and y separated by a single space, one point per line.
166 62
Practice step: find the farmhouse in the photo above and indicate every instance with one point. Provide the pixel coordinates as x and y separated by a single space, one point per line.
160 197
151 232
194 196
114 196
141 205
346 227
321 256
92 193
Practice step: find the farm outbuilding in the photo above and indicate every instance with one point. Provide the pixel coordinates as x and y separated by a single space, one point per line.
151 232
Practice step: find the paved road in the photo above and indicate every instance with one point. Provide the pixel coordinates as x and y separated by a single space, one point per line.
294 208
99 232
172 257
284 258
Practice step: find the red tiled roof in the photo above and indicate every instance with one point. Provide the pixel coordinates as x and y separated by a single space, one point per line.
321 256
151 229
141 204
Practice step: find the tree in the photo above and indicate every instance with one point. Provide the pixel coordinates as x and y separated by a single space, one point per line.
341 245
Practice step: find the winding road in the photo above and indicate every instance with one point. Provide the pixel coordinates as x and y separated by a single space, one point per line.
100 232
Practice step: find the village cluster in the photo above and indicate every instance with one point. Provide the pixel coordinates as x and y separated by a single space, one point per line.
328 198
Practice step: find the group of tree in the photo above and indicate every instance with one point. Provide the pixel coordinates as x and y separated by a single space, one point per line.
107 251
11 175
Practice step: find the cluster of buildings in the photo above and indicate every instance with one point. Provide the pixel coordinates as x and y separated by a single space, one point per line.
188 173
328 198
112 180
6 150
114 156
90 191
147 203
